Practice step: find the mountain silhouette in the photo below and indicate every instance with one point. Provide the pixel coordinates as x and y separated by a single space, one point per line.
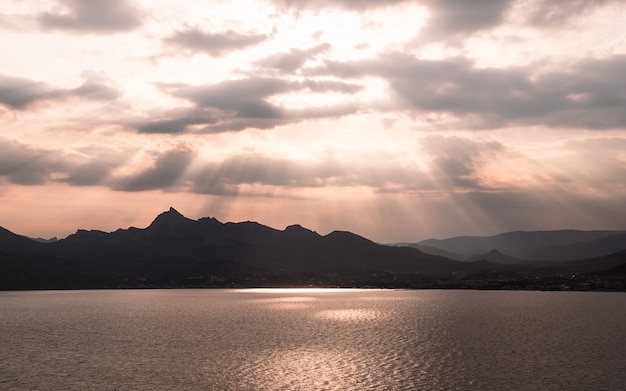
174 247
175 251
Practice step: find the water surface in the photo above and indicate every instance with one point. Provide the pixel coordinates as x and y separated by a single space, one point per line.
298 339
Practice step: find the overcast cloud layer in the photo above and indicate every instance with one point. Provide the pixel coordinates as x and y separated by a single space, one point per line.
398 120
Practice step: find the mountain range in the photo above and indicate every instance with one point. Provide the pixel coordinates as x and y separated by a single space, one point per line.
565 245
175 251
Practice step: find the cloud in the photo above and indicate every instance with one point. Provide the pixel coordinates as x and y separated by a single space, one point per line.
586 94
176 121
19 93
356 5
90 174
93 165
166 172
326 86
292 60
454 20
234 105
547 13
457 18
214 44
27 165
24 165
264 170
97 86
244 97
455 161
379 171
108 16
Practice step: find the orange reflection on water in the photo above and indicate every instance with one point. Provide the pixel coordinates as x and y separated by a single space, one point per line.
350 315
287 302
309 369
297 290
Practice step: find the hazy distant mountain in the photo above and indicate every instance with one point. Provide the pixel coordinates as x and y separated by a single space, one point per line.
582 250
496 257
433 251
539 245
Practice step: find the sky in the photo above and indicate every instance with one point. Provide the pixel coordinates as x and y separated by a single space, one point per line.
396 120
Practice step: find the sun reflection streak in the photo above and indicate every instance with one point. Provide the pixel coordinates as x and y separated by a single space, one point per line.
301 290
350 315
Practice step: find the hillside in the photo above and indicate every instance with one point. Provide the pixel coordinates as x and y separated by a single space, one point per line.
536 245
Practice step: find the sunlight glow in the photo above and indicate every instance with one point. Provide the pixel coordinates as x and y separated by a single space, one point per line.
299 290
350 315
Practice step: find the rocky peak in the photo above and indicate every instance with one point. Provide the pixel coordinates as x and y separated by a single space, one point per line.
170 222
297 230
297 227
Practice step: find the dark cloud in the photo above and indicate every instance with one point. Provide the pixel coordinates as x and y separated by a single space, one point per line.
548 13
176 121
452 20
214 44
326 86
93 16
457 18
244 97
92 173
27 165
291 61
24 165
455 161
234 105
166 172
585 94
357 5
19 93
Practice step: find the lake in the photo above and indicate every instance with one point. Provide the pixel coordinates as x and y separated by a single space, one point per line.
312 339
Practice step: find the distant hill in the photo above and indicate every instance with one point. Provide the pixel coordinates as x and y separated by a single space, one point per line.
538 245
496 257
582 250
432 250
